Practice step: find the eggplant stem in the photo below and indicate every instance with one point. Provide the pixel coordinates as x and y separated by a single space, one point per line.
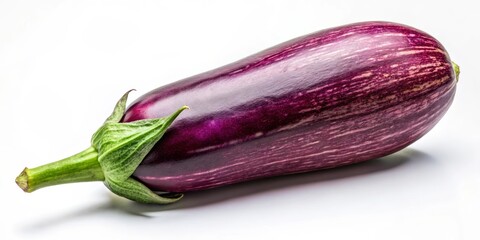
81 167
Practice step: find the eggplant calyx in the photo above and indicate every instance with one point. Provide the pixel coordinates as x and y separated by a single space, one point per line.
116 151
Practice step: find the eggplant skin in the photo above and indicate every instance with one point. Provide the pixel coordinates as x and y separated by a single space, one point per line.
327 99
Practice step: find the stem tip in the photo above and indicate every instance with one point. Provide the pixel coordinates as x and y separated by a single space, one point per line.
22 180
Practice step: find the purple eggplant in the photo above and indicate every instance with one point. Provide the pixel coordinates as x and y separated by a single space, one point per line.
327 99
331 98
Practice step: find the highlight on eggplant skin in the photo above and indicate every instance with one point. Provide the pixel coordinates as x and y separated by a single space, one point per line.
327 99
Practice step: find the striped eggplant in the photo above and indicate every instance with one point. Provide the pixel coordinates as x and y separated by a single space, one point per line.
327 99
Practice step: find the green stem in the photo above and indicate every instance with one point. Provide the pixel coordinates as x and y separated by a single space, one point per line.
81 167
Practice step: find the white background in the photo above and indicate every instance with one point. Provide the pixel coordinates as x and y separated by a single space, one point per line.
63 65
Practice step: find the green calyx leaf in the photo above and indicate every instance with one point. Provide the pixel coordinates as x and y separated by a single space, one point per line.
136 191
119 109
121 148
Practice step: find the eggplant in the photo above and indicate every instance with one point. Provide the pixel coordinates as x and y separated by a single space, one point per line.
327 99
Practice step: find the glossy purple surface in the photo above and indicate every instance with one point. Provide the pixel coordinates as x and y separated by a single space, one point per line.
330 98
